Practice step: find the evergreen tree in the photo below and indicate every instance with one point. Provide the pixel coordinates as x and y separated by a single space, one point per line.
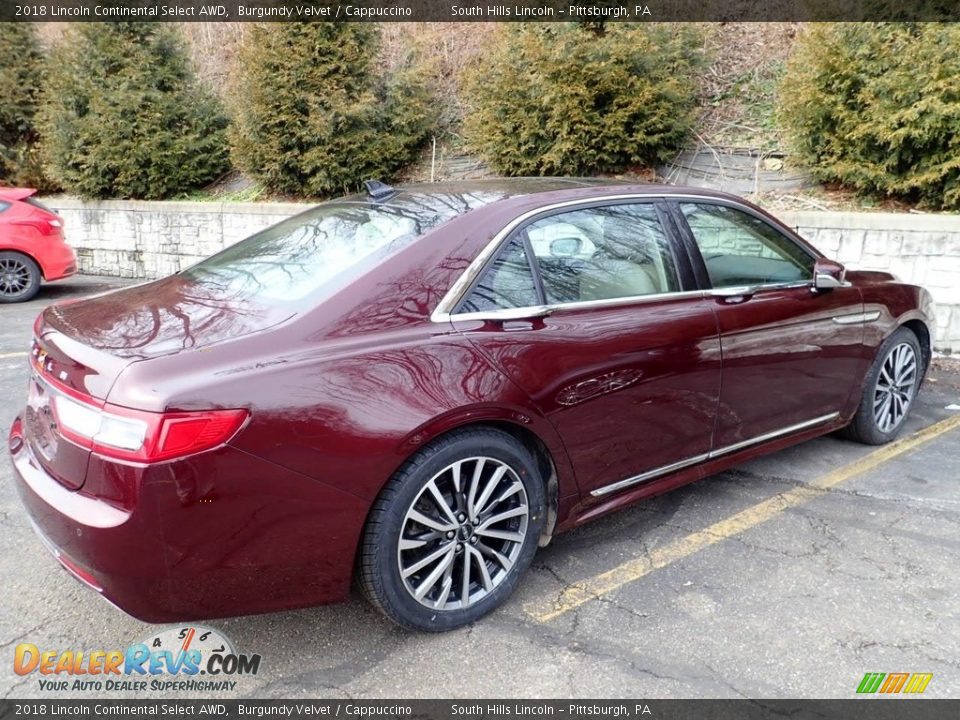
314 117
876 107
124 116
21 74
582 98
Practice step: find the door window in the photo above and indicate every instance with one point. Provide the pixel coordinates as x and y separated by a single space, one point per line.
602 253
507 283
740 249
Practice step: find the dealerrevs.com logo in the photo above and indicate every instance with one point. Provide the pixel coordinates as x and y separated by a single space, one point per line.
196 659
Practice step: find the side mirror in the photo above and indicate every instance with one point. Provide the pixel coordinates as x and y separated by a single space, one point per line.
827 275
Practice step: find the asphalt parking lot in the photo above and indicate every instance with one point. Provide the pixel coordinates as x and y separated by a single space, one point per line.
789 576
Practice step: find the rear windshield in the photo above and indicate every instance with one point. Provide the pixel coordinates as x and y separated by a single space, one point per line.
326 246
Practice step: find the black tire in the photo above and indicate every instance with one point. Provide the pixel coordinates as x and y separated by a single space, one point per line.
379 571
19 277
865 427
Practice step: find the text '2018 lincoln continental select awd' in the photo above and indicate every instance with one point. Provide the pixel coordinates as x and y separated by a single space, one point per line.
414 388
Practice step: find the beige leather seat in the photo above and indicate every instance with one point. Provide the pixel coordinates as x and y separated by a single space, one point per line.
610 278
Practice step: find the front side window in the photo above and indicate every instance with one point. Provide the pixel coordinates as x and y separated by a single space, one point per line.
740 249
603 253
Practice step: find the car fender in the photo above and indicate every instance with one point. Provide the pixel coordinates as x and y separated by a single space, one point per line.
523 417
17 243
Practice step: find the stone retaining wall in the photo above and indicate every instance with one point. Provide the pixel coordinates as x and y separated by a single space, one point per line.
918 248
152 239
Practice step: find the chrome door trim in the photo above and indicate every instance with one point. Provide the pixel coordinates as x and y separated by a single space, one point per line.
519 313
774 434
857 318
534 311
651 474
735 290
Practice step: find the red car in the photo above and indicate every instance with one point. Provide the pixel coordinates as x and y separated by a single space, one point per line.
32 247
416 388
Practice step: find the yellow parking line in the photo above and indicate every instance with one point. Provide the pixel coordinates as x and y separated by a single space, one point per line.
12 355
577 594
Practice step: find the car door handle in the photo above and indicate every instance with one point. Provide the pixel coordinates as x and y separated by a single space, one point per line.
733 295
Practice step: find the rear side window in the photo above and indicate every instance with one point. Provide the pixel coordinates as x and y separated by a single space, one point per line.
3 206
609 252
507 283
603 253
37 204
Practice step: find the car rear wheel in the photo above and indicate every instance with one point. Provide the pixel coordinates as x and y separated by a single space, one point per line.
453 531
890 389
19 277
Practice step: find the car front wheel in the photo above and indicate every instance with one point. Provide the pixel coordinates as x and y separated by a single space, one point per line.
453 531
890 389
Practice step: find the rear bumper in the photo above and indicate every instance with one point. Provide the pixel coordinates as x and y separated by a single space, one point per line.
59 261
218 535
81 531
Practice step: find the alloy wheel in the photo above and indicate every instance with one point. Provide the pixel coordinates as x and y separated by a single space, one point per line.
461 536
14 277
896 386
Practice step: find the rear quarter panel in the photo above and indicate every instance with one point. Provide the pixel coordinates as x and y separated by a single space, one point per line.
350 414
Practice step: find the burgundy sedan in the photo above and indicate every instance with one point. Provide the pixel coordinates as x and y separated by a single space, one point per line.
417 387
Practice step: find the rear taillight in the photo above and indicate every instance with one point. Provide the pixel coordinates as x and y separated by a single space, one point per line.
139 436
43 225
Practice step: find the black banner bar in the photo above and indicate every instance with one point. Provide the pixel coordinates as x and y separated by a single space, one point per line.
479 10
872 708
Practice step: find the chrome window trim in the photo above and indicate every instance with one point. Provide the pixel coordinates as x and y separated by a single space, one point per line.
444 310
453 296
734 290
520 313
533 311
657 472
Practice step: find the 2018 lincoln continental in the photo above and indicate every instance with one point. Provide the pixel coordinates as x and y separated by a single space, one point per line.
415 387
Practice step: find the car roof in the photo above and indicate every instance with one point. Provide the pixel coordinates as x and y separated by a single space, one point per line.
505 187
497 190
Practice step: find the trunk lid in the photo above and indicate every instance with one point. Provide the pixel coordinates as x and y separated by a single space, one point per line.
164 317
81 347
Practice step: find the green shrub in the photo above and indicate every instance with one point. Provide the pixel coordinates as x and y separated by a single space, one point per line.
123 115
21 74
570 99
876 107
313 117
